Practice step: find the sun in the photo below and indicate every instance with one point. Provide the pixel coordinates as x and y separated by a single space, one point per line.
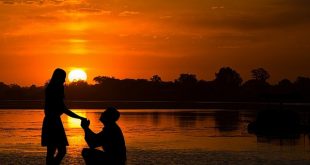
77 75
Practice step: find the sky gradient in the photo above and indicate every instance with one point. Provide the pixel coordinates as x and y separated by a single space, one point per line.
138 38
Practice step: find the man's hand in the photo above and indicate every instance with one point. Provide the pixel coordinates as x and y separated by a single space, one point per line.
85 123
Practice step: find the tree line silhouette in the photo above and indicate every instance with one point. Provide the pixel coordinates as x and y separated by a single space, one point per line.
226 86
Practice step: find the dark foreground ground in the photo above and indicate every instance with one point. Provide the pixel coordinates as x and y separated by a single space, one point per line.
172 157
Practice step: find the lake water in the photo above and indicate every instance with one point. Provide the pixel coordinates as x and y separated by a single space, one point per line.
203 136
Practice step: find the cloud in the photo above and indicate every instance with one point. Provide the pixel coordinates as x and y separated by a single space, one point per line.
299 3
43 2
82 10
217 7
128 13
7 1
165 17
95 11
43 18
27 2
270 16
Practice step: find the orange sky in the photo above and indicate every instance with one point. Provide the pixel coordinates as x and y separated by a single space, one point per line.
138 38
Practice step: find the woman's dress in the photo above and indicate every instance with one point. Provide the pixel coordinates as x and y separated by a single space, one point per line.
53 132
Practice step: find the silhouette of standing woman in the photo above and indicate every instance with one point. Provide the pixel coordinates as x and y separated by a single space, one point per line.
53 133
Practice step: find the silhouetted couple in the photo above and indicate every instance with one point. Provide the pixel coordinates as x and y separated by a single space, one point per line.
54 137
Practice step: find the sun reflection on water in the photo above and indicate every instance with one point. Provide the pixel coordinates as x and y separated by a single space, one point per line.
73 122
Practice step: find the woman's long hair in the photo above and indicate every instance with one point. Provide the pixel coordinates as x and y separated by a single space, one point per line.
58 77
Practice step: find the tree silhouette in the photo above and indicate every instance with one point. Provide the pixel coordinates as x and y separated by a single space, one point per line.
227 77
285 83
156 79
303 86
260 74
79 83
187 79
225 87
102 79
302 81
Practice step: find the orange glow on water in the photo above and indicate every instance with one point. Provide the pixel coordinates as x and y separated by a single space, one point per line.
73 122
145 131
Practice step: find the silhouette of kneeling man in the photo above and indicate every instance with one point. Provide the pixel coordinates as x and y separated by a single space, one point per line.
111 139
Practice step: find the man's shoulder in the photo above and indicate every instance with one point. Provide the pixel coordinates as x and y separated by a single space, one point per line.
111 129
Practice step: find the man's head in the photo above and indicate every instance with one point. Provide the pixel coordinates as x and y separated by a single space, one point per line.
110 115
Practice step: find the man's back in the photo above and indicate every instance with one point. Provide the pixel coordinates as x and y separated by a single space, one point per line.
113 142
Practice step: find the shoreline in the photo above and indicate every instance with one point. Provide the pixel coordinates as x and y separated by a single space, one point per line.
39 104
174 156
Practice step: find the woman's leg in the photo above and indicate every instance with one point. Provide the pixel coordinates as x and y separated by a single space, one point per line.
50 154
62 150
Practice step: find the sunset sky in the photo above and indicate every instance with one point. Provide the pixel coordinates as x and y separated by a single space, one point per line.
140 38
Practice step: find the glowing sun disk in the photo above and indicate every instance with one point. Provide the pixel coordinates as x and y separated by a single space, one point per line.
77 75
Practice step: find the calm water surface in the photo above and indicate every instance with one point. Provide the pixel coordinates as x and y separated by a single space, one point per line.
206 136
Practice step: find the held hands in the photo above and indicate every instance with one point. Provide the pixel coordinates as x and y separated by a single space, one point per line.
85 123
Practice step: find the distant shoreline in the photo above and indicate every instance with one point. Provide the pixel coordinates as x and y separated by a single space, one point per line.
39 104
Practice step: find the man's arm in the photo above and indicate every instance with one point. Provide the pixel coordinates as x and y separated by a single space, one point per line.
91 138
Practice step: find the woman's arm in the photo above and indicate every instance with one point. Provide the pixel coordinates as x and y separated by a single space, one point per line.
72 114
